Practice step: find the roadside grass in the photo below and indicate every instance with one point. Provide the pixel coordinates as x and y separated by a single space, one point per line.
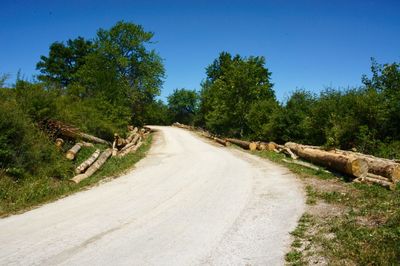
345 223
17 196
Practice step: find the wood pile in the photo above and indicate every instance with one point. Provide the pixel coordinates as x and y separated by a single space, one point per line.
57 129
120 147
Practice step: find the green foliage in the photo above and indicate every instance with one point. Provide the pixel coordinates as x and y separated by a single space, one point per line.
64 60
24 150
123 70
233 84
237 99
182 105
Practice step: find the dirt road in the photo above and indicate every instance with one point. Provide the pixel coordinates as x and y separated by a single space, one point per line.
187 203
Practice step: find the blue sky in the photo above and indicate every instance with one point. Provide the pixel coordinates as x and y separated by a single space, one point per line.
307 44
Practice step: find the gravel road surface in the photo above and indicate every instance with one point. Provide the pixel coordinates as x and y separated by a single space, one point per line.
189 202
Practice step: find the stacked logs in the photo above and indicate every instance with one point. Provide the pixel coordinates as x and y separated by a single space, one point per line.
120 147
61 130
366 168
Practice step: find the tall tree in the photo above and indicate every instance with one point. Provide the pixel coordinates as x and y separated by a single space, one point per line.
123 69
64 60
182 104
233 84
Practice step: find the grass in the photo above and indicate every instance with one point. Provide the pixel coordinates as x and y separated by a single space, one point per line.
345 223
20 195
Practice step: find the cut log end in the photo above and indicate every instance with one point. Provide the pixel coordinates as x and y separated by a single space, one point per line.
253 146
357 167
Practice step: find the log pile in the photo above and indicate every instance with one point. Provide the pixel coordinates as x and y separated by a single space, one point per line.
83 166
94 167
57 129
120 147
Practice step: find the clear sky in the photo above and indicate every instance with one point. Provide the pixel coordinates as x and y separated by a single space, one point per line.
307 44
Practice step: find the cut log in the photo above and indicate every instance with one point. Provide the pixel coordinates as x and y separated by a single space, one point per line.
288 152
242 143
94 167
114 152
94 139
60 129
71 153
371 180
119 142
253 146
130 149
132 135
221 141
87 144
59 143
263 146
272 146
83 166
344 164
377 166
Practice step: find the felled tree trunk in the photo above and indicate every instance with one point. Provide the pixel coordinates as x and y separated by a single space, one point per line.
71 153
378 166
345 164
91 138
132 135
94 167
253 146
57 128
242 143
132 148
83 166
221 141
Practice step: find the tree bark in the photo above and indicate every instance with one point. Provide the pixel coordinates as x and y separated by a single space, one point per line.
377 166
132 135
221 141
94 167
253 146
71 153
242 143
345 164
132 148
83 166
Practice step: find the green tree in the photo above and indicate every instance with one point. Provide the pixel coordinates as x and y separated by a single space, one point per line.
233 84
183 104
64 60
123 70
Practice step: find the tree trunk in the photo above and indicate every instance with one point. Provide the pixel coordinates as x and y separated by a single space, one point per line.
221 141
345 164
83 166
377 166
253 146
132 148
94 167
94 139
132 135
241 143
71 153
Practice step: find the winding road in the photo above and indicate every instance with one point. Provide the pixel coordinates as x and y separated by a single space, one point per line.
189 202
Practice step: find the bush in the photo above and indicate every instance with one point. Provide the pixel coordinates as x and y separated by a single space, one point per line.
24 150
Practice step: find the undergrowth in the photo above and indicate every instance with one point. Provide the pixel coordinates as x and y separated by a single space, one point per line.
18 195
